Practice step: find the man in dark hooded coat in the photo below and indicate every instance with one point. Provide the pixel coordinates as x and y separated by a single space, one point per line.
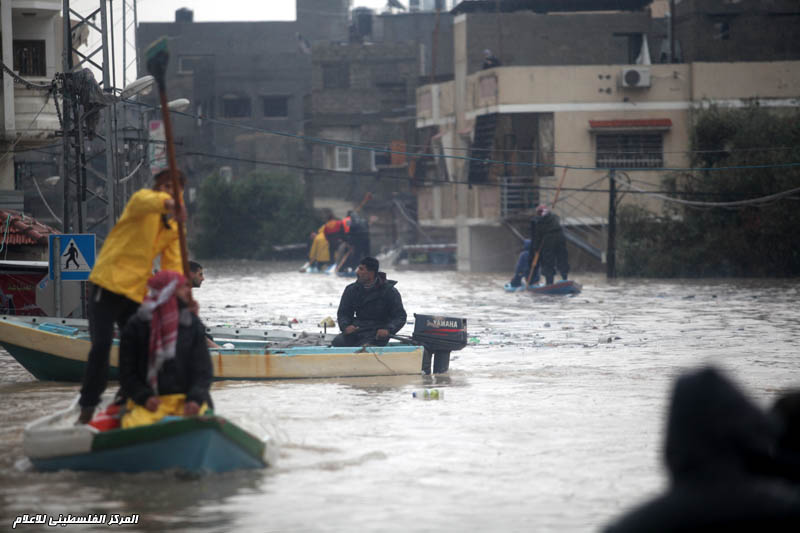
371 309
720 453
547 237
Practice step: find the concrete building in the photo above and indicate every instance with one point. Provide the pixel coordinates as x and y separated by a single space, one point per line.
567 95
32 45
363 96
243 78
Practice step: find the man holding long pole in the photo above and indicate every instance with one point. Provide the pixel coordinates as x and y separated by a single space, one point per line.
117 283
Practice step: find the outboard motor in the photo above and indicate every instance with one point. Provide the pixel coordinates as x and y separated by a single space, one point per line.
440 335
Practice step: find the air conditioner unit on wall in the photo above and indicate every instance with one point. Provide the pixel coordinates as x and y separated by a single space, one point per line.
636 77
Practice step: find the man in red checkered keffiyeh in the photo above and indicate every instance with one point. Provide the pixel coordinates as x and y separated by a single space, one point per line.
160 307
164 365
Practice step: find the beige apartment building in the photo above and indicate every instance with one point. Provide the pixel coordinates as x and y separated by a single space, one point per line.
31 33
536 125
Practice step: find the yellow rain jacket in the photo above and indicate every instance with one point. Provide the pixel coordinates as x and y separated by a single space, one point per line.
125 262
320 249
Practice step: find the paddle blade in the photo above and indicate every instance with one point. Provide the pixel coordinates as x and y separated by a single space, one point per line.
157 57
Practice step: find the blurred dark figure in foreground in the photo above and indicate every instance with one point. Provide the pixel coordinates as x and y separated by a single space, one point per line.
725 474
787 410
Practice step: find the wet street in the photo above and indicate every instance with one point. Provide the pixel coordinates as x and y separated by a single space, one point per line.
552 417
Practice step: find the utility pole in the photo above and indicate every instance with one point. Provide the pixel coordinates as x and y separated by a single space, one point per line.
611 250
66 118
73 120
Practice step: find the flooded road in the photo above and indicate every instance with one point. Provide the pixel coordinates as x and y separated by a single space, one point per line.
552 417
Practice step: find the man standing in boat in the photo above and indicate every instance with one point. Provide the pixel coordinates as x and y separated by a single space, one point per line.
117 283
548 239
371 309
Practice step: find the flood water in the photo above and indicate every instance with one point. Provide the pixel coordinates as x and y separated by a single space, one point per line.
552 417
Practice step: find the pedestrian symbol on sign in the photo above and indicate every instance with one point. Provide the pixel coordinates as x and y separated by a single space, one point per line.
72 260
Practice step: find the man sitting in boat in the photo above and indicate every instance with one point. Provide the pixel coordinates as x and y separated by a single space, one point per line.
371 309
522 268
548 238
196 278
118 279
164 364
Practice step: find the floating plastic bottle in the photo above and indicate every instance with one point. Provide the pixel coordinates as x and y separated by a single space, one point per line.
428 394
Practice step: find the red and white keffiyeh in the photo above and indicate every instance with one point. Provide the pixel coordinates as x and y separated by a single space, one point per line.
160 306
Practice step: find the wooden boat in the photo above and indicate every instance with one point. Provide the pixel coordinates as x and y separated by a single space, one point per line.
568 287
57 349
199 444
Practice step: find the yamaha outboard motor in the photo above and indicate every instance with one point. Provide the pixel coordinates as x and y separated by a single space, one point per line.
440 335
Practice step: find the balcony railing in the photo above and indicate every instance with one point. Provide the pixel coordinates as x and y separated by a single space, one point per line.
517 195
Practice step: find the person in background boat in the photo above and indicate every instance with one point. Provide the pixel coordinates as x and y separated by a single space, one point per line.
547 236
720 455
320 254
357 238
522 268
197 277
118 280
334 232
371 309
164 365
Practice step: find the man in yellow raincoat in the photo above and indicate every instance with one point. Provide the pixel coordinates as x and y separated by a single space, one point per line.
117 283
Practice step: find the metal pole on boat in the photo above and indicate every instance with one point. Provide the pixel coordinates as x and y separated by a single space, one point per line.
611 251
56 262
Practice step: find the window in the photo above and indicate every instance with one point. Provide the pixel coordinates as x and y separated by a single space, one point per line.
29 58
380 159
392 95
630 150
339 158
722 30
275 106
336 76
235 106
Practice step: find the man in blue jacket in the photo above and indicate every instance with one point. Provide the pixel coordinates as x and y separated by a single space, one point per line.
371 309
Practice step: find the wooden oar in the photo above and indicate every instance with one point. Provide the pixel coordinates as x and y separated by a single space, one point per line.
157 58
539 251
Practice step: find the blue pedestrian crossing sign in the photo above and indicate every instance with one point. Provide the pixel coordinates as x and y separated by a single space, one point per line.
75 255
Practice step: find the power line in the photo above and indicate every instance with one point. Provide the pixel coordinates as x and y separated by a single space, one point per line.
536 187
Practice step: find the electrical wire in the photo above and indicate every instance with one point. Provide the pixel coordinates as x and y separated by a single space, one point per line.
36 183
332 142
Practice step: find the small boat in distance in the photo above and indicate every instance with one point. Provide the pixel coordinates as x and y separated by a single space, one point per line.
564 287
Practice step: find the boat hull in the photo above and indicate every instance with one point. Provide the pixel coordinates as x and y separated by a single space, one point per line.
566 287
61 356
198 444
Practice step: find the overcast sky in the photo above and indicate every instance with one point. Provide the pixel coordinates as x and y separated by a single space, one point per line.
215 10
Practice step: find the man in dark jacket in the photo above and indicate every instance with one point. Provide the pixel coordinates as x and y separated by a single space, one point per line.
720 453
548 239
163 350
371 309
